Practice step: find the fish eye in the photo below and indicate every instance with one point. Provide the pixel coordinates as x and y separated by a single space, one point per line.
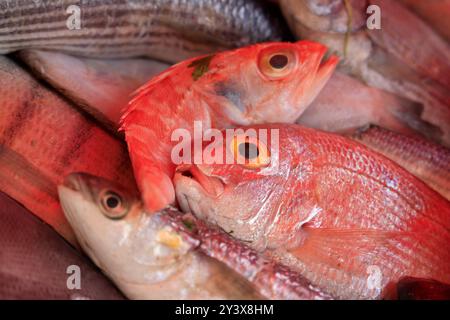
276 64
112 205
250 152
278 61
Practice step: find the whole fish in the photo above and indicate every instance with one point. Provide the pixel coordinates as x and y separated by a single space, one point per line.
347 218
167 30
426 160
404 57
270 82
159 256
36 263
42 139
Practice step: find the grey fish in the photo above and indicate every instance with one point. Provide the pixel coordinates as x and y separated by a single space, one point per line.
34 261
167 255
167 30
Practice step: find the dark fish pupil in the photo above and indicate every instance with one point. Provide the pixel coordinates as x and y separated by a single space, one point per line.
248 150
112 202
278 61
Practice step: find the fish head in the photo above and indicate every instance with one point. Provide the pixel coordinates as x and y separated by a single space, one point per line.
245 195
129 245
269 82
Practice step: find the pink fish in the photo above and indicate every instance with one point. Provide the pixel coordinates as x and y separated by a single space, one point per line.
350 220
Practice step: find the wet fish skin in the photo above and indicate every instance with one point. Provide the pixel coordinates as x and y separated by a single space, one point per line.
428 161
320 186
432 60
42 139
102 88
157 256
166 30
34 261
271 279
235 87
434 13
346 104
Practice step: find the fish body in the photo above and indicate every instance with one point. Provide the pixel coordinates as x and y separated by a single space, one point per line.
42 139
434 13
167 255
346 104
350 220
428 161
101 87
36 263
270 82
167 30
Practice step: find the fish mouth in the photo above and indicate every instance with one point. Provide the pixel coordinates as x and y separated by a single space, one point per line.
212 186
328 63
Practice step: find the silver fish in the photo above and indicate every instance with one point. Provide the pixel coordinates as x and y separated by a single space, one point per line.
166 255
168 30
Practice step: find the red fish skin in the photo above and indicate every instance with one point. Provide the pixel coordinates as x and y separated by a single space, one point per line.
332 209
233 89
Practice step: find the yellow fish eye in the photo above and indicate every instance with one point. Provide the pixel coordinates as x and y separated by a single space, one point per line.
112 204
276 64
250 152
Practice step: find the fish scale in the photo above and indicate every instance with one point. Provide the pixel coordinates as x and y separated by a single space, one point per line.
354 210
42 139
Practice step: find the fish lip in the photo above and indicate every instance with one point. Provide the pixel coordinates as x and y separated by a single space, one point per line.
213 186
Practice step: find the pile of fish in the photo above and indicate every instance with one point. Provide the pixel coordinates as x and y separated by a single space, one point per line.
351 203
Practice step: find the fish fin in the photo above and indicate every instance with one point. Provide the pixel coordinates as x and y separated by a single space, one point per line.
405 116
156 188
335 247
409 288
151 168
